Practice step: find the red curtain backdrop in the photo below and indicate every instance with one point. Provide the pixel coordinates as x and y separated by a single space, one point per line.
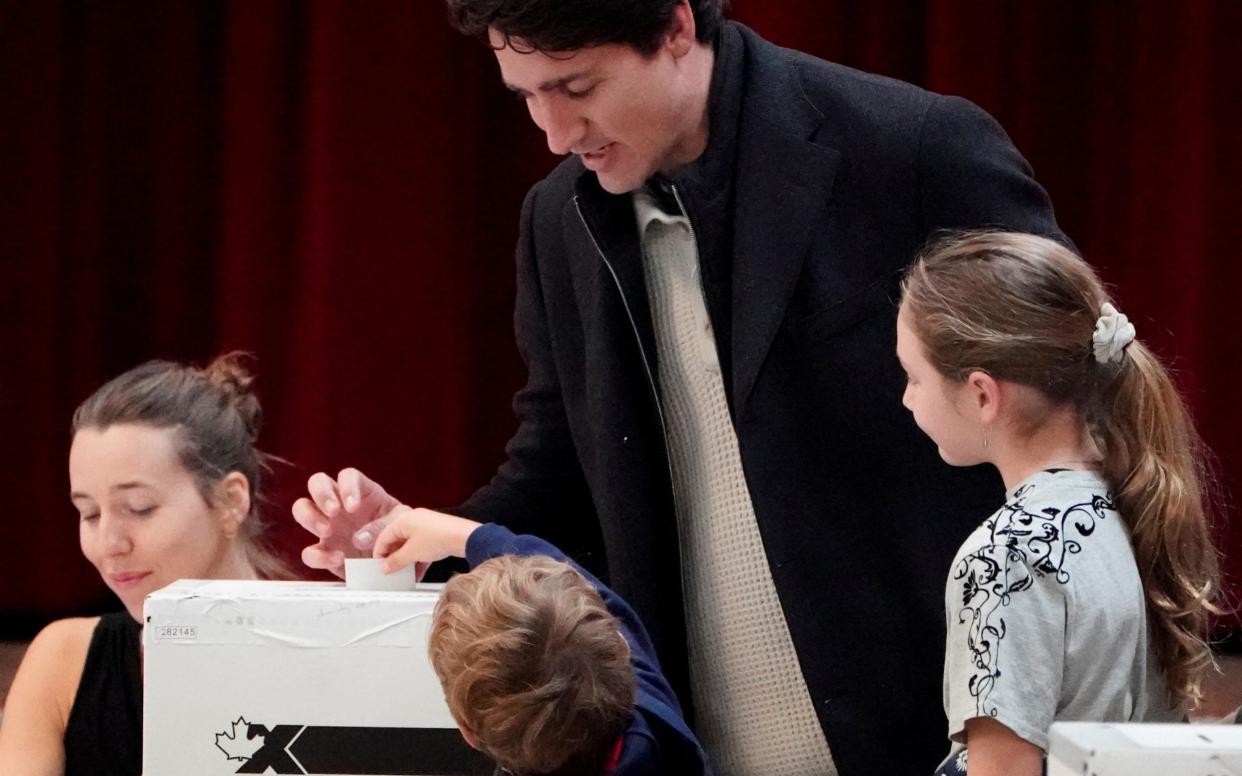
334 186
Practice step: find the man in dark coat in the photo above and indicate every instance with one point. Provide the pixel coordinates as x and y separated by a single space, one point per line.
712 419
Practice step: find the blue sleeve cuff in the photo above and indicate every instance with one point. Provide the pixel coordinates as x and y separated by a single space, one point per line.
489 541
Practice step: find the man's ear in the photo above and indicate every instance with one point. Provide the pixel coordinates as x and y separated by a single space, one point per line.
985 395
681 33
233 501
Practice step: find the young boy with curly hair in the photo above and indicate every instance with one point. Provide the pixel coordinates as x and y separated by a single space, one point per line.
545 669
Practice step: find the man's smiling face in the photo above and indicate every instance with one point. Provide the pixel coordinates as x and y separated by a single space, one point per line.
624 114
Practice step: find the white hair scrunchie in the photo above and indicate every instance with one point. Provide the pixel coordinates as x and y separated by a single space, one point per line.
1113 331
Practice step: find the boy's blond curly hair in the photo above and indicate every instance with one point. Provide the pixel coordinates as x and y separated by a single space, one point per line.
533 665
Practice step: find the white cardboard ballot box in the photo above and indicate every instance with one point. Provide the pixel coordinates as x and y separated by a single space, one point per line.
294 677
1105 749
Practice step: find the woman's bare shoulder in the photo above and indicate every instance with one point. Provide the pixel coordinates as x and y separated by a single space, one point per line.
37 709
54 660
63 643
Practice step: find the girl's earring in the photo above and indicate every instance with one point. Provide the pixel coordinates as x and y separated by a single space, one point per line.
985 439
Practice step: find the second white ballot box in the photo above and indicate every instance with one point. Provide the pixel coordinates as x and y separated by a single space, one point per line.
294 677
1132 749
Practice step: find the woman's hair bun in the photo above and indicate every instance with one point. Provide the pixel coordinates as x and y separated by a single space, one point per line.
230 372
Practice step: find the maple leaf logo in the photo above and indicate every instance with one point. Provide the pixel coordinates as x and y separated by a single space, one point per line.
239 747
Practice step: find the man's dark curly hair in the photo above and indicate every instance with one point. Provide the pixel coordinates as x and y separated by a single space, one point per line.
567 25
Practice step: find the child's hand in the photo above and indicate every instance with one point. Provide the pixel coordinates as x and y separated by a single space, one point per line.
421 537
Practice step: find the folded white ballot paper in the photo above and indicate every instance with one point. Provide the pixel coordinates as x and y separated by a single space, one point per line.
365 574
294 677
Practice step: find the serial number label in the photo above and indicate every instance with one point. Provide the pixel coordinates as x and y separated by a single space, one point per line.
181 632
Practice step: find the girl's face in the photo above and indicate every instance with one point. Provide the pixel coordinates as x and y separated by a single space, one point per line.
144 522
941 408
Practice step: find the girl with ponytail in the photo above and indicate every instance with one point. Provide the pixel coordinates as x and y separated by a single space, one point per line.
165 476
1087 595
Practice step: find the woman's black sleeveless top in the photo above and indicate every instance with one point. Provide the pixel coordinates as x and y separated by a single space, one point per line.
104 734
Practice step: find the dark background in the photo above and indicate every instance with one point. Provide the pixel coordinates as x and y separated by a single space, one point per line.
335 187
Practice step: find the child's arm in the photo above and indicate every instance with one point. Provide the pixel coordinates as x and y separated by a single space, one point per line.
422 536
995 750
1006 645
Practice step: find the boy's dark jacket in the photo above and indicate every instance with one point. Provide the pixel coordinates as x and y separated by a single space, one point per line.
657 741
820 186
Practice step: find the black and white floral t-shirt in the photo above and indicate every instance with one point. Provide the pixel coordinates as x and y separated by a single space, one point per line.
1046 615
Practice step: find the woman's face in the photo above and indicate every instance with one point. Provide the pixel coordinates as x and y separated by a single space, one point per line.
144 522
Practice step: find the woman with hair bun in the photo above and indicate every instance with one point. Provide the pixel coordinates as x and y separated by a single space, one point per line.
1087 595
165 475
